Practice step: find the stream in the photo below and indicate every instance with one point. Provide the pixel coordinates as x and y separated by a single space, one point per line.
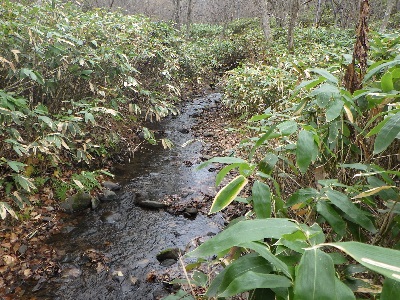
110 253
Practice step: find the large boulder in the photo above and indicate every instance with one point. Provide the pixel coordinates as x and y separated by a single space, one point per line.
78 202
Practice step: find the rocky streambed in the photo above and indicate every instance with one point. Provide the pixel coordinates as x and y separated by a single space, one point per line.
117 250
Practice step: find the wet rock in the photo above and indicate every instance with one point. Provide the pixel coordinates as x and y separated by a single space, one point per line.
95 202
168 262
111 186
208 134
110 217
107 195
77 202
191 211
71 273
118 276
170 253
184 130
152 204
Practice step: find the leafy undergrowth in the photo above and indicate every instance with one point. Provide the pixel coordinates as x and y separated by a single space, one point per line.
319 175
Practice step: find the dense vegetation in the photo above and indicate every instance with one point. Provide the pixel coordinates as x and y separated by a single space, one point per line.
320 163
67 76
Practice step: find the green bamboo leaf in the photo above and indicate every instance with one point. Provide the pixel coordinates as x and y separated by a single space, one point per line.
387 82
332 217
261 140
261 200
287 127
242 232
222 160
228 193
301 196
342 202
251 280
24 182
390 290
387 134
334 110
259 117
326 74
343 292
250 262
377 69
16 165
224 171
315 277
381 260
306 150
262 250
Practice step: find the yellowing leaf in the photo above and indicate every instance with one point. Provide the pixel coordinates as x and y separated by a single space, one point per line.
228 193
349 114
79 184
373 191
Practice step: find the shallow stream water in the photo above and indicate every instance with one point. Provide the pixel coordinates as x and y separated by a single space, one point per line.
110 253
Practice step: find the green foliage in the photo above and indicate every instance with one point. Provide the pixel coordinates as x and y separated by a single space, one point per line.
333 143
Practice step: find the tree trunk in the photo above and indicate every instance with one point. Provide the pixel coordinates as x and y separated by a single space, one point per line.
177 14
318 13
294 9
189 15
389 8
263 6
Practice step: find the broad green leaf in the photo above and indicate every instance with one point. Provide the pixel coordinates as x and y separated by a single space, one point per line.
287 127
228 193
387 134
325 74
199 278
222 160
259 117
263 251
377 69
301 196
261 200
325 93
315 277
306 150
261 140
334 110
343 292
390 290
16 165
387 82
25 183
332 217
242 232
268 163
224 171
250 262
252 280
381 260
342 202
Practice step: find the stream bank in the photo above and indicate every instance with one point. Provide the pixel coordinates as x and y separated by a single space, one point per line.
110 253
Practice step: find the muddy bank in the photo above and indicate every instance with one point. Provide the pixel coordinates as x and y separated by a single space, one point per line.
111 253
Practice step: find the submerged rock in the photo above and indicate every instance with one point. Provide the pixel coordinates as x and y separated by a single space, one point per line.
168 254
95 202
152 204
77 202
107 195
111 186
